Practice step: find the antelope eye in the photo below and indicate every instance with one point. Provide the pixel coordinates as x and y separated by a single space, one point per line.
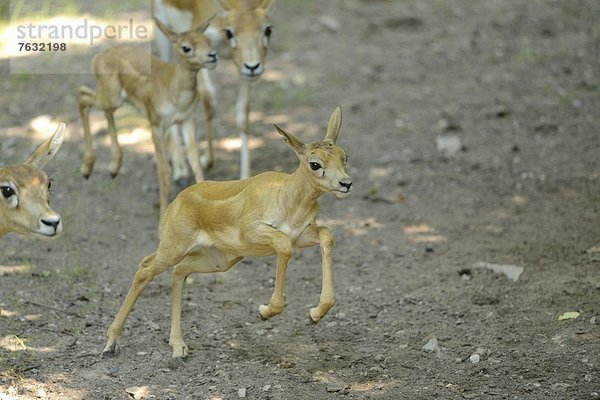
49 184
7 191
268 30
186 49
314 165
229 34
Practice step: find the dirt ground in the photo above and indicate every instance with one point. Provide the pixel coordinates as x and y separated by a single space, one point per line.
513 85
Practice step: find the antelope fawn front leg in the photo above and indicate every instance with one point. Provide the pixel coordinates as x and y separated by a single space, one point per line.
242 110
327 299
188 129
283 249
312 236
208 97
197 262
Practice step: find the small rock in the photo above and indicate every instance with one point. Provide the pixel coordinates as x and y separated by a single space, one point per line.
475 358
448 145
242 393
512 272
593 320
593 250
334 387
137 392
329 23
153 325
266 388
432 346
379 357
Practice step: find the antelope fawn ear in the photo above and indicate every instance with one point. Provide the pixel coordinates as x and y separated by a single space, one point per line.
46 151
266 5
172 36
222 4
201 28
290 139
334 125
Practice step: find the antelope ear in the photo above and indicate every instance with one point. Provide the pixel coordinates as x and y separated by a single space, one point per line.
222 4
202 27
291 140
266 6
46 151
172 36
334 125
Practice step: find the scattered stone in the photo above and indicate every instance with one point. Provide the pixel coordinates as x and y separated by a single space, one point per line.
499 111
475 358
379 357
569 315
242 393
432 346
137 392
266 388
448 145
512 272
593 320
329 23
593 250
334 387
153 325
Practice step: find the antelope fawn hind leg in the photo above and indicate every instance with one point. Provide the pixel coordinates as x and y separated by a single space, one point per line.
197 262
115 149
147 270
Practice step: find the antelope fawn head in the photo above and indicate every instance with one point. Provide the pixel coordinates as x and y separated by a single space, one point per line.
248 33
24 194
324 162
193 48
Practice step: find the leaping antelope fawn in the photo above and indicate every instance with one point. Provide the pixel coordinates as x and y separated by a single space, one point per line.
239 31
24 189
165 91
211 226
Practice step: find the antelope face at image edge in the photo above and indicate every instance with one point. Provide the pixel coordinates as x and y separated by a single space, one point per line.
25 193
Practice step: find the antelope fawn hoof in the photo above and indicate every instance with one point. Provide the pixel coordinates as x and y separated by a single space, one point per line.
180 351
86 171
183 182
260 314
313 317
111 350
206 163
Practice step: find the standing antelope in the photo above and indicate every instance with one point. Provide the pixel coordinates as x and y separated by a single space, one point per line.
239 31
211 226
25 189
165 91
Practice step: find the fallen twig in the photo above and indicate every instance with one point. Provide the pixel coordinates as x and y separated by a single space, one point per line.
33 303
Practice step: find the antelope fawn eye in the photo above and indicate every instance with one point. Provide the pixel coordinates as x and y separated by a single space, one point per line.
7 191
268 30
315 166
186 49
228 33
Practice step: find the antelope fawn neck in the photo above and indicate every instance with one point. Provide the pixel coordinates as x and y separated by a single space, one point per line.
298 192
183 85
